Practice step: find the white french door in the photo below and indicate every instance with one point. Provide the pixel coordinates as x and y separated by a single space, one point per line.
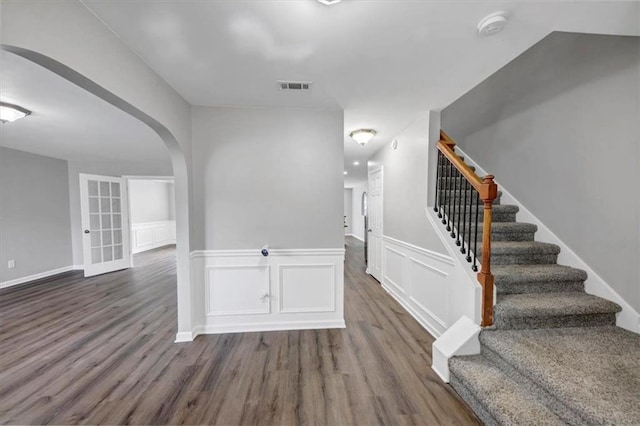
105 224
374 266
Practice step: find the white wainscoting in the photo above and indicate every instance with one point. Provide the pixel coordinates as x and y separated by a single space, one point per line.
150 235
422 281
243 291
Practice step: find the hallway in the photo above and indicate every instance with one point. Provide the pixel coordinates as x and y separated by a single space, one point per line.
100 350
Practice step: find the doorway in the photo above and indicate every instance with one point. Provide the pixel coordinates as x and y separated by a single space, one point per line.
375 228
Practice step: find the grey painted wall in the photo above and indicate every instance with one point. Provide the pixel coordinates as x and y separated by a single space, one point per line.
34 214
268 176
559 127
357 221
149 201
348 194
104 168
405 187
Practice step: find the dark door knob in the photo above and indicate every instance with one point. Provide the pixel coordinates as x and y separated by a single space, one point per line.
86 231
370 230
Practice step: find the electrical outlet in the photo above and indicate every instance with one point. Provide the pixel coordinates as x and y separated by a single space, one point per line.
11 264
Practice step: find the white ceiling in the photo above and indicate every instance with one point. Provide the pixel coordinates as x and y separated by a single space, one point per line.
383 62
68 122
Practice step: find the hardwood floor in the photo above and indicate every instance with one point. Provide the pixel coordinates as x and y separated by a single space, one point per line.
100 350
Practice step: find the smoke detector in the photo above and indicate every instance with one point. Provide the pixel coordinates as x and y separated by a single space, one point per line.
492 24
294 85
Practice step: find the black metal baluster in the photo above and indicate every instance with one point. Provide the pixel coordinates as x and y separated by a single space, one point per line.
449 197
436 206
459 200
464 216
475 239
471 189
454 223
445 171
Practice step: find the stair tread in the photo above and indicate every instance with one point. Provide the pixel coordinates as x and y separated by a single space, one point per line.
536 273
594 371
500 208
553 304
519 247
501 396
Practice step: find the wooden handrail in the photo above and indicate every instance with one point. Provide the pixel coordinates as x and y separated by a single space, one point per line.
488 192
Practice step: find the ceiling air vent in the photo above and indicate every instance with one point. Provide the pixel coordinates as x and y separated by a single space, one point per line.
294 85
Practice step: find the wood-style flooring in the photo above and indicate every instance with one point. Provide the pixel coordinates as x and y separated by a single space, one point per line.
100 350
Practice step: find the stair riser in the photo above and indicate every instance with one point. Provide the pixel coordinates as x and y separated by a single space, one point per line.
468 397
495 217
519 259
504 236
544 287
523 323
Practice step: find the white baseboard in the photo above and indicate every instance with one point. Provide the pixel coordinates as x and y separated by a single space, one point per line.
252 327
38 276
78 267
184 337
355 236
628 318
462 338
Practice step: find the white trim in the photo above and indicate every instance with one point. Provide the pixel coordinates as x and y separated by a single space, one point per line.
78 267
272 252
418 316
250 327
207 290
433 254
185 336
629 318
37 276
156 228
281 283
354 236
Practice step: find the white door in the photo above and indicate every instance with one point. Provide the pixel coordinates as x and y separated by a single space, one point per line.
374 266
105 219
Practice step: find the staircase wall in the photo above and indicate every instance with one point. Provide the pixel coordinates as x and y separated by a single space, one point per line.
564 119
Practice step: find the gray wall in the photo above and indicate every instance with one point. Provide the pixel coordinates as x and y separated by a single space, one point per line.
34 214
105 168
405 187
348 194
268 176
149 201
559 127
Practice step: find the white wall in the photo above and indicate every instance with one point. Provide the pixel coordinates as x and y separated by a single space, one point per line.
348 212
34 215
149 201
405 187
357 223
268 176
560 129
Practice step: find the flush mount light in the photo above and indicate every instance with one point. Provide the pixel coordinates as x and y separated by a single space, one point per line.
10 112
362 136
492 24
356 163
345 172
329 2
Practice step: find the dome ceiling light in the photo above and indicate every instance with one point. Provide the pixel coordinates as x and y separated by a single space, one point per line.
362 136
10 112
329 2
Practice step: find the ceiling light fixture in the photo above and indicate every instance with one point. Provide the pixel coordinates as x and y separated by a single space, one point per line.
356 163
362 136
345 172
329 2
10 112
492 24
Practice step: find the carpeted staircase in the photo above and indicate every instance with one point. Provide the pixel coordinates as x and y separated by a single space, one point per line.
554 354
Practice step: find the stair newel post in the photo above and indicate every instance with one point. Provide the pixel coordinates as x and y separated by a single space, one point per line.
488 193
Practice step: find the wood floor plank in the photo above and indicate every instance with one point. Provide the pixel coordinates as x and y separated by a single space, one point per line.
100 350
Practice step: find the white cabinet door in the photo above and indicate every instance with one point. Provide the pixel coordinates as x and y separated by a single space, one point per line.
374 266
105 224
